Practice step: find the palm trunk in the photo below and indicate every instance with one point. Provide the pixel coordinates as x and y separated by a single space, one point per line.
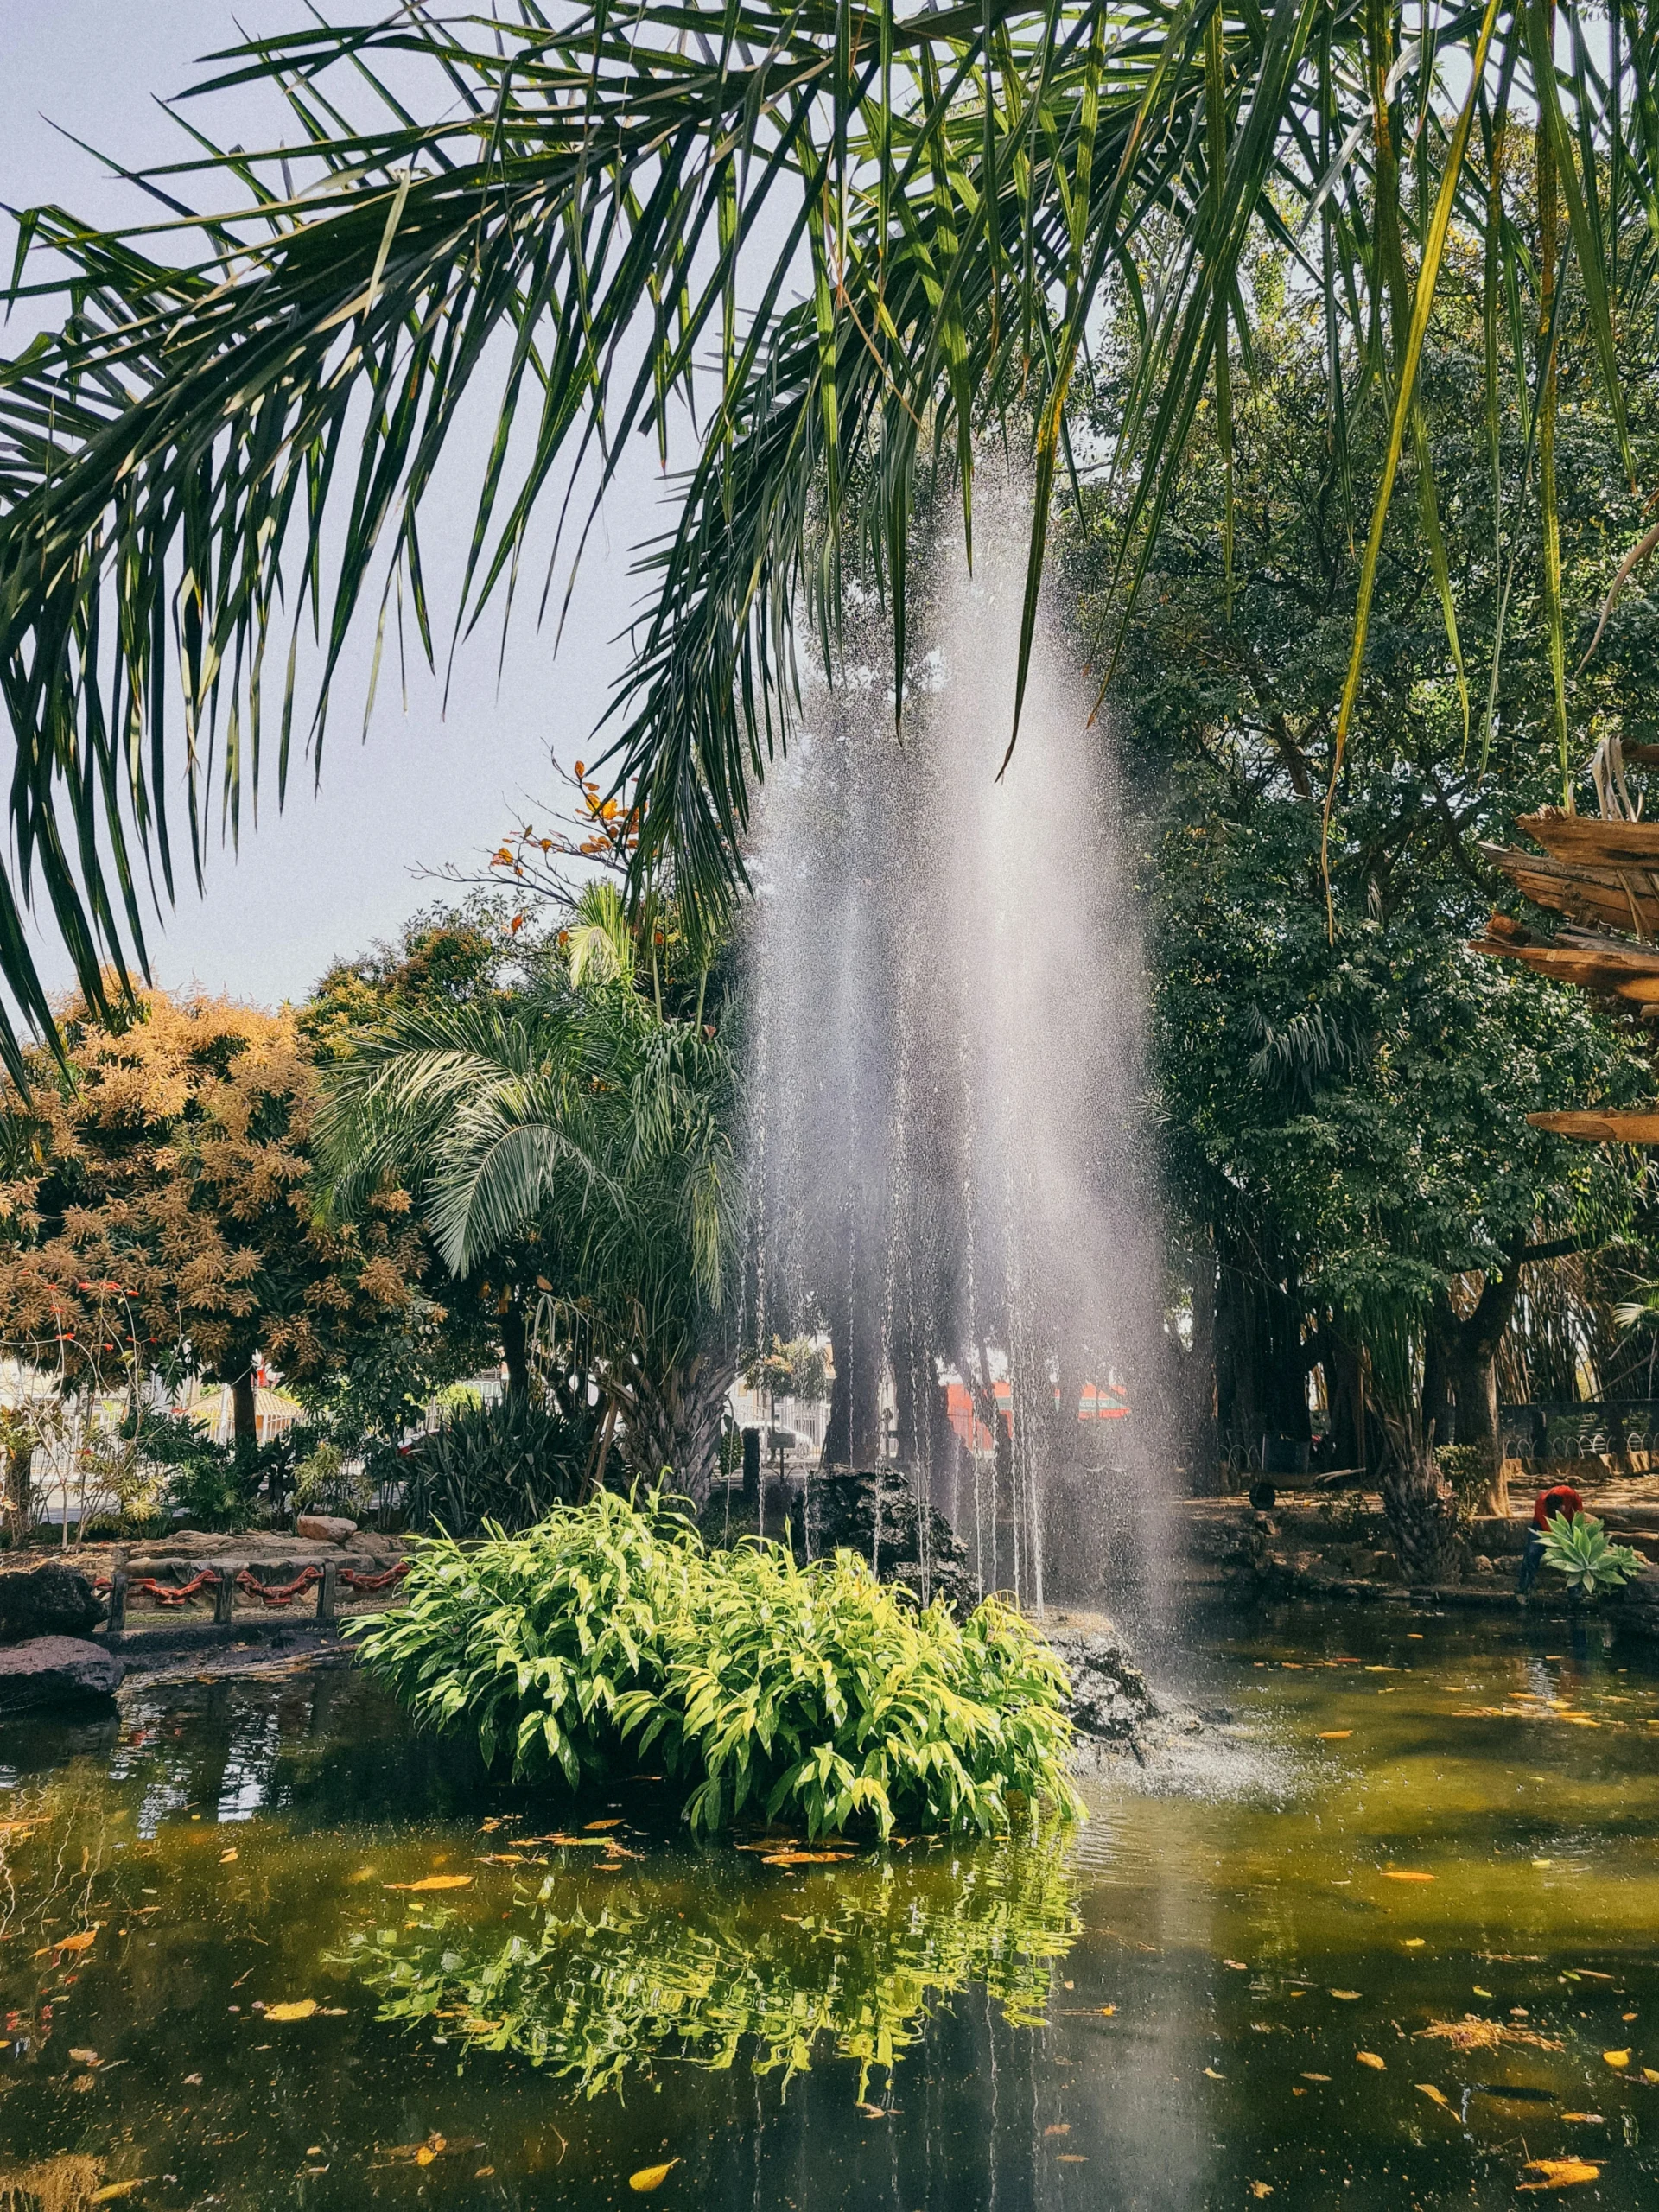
674 1421
244 1413
1423 1512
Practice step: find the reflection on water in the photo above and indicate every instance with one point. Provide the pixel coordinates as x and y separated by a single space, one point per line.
703 1965
1406 1950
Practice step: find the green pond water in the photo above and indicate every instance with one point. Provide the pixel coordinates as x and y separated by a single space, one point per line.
1212 1990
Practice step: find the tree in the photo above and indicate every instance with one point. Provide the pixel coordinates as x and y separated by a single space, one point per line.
968 191
158 1190
576 1124
1345 1088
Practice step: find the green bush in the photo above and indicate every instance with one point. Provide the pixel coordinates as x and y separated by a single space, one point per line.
508 1463
1579 1549
813 1694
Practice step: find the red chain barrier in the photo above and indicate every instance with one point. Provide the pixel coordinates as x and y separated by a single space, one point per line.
367 1582
174 1593
278 1594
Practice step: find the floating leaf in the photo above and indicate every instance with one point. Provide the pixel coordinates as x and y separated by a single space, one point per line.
1237 1965
806 1858
114 2190
1371 2058
1472 2033
1434 2096
83 1941
226 1857
1260 2188
591 1825
1348 1996
650 2177
1402 1874
1416 1942
300 2008
1615 2058
1316 2077
85 2057
1585 2118
1335 1735
433 1882
425 2155
1069 2158
1558 2173
1060 2127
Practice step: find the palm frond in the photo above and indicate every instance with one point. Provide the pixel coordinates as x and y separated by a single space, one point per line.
226 448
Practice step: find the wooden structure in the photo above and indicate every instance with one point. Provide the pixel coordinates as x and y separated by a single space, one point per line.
1601 872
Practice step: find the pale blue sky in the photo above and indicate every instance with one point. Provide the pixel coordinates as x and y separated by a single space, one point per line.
326 875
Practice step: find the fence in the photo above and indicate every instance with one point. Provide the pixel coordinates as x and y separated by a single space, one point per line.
1579 1429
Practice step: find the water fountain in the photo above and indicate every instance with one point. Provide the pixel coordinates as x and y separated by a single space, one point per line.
949 1164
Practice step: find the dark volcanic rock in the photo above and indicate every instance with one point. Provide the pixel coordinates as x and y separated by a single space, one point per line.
879 1515
49 1600
1109 1697
56 1671
876 1515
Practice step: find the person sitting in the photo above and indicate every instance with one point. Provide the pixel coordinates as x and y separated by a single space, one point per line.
1562 1498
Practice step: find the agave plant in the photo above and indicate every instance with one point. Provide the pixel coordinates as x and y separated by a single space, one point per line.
1579 1549
555 216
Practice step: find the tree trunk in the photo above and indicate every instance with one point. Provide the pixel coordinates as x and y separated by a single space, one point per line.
244 1413
853 1436
1463 1360
19 1501
1198 1398
1421 1511
674 1423
515 1349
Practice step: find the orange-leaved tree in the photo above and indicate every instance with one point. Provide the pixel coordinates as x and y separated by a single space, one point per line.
156 1206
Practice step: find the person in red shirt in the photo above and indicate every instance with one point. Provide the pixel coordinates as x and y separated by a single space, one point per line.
1562 1498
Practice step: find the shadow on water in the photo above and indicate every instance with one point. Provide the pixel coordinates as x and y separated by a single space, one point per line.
262 1945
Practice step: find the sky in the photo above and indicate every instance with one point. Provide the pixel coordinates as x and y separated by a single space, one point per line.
330 874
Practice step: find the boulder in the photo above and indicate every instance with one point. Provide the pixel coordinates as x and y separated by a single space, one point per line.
323 1528
1110 1696
56 1671
53 1600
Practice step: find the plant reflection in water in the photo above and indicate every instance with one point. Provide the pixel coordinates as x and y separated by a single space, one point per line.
791 1969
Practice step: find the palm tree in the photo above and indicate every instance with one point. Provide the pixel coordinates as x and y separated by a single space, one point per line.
843 236
577 1113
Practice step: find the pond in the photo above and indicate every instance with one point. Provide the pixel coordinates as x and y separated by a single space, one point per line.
263 1947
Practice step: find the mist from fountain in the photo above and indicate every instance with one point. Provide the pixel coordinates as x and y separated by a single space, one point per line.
949 1164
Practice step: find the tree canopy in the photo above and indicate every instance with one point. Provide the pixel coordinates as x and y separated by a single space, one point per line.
841 237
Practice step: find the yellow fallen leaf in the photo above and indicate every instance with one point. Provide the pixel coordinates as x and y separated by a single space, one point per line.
112 2190
1434 2096
650 2177
84 2058
590 1826
1479 1992
1335 1735
434 1882
1060 2127
1237 1965
1416 1942
84 1942
299 2008
425 2155
1316 2077
1211 2075
1348 1996
1107 2011
226 1857
1400 1874
1649 2075
800 1857
1619 2059
1260 2188
1585 2118
1069 2158
1558 2173
1371 2058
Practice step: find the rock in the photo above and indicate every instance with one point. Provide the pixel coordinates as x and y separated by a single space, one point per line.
323 1528
1109 1697
53 1601
878 1514
56 1671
